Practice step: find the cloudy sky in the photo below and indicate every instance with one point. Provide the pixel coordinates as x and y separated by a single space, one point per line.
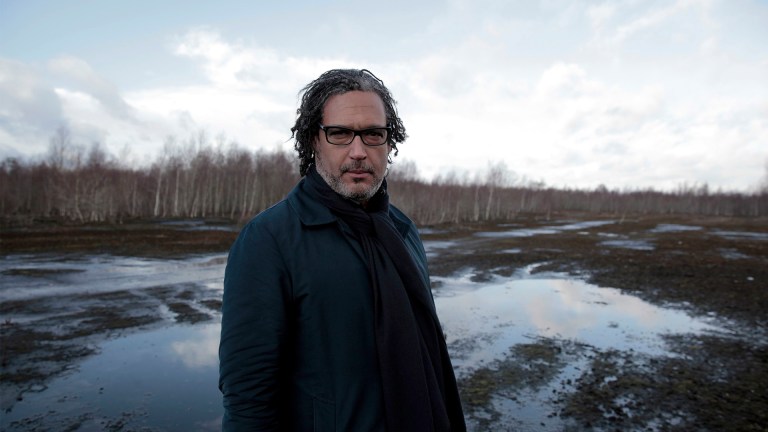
626 93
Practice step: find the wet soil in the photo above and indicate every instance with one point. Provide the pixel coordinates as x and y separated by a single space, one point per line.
130 239
711 382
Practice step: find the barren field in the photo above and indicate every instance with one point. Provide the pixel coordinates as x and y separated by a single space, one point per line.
710 268
715 268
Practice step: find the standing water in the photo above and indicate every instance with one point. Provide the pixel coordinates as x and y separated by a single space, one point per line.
165 379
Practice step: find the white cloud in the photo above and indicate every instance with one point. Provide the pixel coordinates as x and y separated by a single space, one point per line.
653 18
241 66
570 126
253 111
27 106
78 75
600 14
579 96
250 93
227 65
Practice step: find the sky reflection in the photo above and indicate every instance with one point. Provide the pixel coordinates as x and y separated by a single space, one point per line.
200 351
103 273
166 379
554 229
486 319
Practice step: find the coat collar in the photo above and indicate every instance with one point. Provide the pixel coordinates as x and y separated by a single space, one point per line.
310 211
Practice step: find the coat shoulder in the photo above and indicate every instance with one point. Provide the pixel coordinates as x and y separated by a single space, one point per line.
278 214
399 216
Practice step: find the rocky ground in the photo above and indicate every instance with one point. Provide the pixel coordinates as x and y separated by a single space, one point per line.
720 269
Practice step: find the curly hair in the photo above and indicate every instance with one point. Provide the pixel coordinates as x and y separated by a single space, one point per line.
334 82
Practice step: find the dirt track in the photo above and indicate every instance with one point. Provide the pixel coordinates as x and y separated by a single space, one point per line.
717 382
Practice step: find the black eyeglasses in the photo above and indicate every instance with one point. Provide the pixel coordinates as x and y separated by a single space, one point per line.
342 136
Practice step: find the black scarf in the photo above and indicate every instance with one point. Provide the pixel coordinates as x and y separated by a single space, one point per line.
419 386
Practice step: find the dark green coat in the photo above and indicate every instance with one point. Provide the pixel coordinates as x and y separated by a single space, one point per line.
297 345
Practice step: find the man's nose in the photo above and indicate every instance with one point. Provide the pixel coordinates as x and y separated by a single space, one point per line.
357 148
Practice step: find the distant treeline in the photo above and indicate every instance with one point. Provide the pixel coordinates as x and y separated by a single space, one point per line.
198 180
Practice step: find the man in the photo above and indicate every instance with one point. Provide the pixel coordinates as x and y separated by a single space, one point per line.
328 321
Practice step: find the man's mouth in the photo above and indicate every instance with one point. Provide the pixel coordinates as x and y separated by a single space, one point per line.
357 170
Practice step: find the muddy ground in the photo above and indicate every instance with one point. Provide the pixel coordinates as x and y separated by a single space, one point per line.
716 381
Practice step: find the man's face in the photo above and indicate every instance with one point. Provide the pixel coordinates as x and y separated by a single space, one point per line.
356 170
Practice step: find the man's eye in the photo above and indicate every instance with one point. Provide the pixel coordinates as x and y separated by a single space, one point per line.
336 133
375 133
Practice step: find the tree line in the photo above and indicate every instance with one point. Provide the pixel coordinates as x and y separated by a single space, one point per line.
199 179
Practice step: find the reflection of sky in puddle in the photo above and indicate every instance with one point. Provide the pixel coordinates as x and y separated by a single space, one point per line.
483 321
164 379
198 225
431 247
741 235
426 230
102 273
492 317
629 244
732 254
669 228
529 232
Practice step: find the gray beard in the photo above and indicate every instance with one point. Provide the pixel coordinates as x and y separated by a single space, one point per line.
338 186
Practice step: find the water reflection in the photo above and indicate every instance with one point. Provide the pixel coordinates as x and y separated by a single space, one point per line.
483 320
642 245
30 276
164 379
671 228
200 351
554 229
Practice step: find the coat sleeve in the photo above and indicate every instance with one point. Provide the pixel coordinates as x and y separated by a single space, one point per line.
253 331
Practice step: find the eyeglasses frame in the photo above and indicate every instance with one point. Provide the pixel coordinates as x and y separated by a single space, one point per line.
356 133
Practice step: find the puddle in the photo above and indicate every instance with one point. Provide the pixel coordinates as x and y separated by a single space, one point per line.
673 228
732 254
741 235
426 230
529 232
164 379
30 276
484 321
608 235
498 314
641 245
525 232
198 225
432 247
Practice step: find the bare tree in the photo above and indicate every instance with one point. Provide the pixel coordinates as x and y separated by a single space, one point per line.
763 185
59 147
498 176
201 179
